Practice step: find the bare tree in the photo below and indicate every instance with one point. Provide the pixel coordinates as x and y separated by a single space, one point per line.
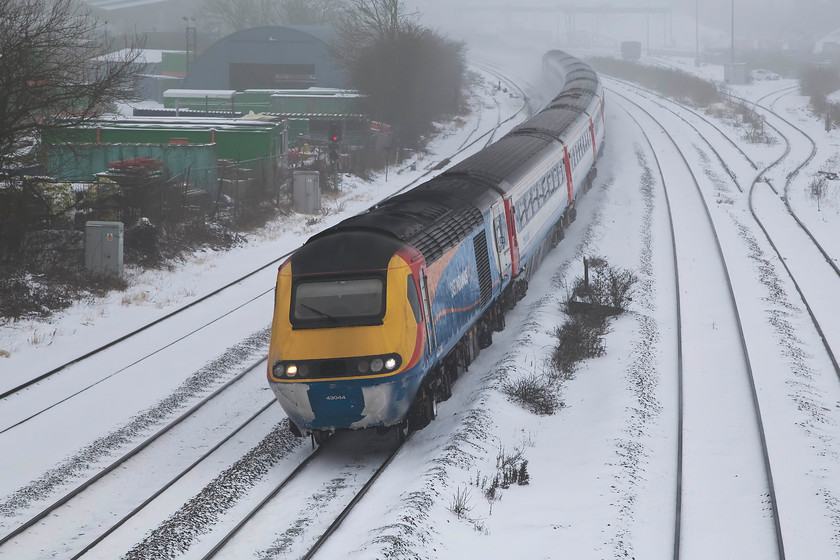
410 75
53 72
310 12
236 15
367 22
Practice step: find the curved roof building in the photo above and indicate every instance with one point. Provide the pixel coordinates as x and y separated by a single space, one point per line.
271 57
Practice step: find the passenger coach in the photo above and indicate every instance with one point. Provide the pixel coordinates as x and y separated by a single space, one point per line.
376 317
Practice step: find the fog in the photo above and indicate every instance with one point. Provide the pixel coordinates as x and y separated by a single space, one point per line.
758 23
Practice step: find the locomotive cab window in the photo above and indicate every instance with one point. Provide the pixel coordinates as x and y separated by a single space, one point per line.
413 298
338 303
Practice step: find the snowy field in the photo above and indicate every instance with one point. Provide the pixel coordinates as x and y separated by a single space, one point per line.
602 469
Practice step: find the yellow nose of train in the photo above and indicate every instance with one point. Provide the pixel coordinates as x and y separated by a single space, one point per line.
347 336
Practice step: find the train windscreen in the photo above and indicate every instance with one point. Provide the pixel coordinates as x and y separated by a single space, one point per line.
346 302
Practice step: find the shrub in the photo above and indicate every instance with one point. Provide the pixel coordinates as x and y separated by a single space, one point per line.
670 82
461 503
818 190
579 338
536 392
510 469
606 286
817 81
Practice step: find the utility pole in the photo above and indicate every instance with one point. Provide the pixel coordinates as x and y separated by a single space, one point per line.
697 32
733 31
647 25
191 41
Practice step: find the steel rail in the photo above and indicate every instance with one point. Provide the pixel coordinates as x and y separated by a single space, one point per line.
134 363
125 337
741 333
137 331
116 464
172 482
790 177
701 117
678 502
262 503
356 499
785 91
271 495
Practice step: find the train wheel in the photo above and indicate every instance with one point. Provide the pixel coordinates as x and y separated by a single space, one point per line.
321 437
445 388
430 409
294 429
402 431
498 325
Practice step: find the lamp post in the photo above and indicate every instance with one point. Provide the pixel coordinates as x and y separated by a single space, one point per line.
697 32
190 41
733 31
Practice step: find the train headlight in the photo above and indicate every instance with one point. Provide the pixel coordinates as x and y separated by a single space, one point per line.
363 366
390 363
303 370
277 369
376 365
291 370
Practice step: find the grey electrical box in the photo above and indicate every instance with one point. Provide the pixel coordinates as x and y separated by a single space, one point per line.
104 247
306 192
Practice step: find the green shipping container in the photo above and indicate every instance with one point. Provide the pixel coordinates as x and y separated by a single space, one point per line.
238 140
80 162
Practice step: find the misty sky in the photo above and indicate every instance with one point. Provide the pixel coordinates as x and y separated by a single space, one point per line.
754 19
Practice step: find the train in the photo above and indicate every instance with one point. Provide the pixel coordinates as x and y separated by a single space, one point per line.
376 317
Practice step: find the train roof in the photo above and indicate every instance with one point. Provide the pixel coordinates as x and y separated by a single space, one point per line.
440 213
355 251
431 217
553 122
576 100
505 158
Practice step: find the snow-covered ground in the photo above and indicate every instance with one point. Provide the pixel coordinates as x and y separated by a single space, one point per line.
602 469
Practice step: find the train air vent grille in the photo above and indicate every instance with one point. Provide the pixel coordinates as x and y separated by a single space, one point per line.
482 260
433 241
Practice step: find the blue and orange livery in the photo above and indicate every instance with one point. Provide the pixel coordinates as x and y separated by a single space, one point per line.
377 316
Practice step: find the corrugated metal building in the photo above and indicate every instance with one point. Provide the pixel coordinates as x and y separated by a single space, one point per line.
268 58
180 144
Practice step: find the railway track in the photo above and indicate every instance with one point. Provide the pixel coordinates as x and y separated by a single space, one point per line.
720 509
192 434
66 526
798 251
313 535
152 347
84 377
799 258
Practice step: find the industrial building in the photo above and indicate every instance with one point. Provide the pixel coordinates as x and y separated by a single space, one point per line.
272 57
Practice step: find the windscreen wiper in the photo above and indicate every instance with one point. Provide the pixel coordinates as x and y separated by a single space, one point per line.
319 312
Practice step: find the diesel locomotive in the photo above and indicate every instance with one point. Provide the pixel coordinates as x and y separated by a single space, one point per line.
377 316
